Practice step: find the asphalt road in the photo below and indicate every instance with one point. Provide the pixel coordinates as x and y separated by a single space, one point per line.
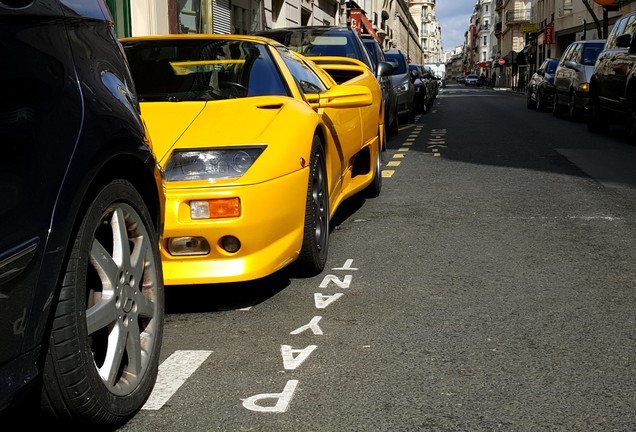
490 287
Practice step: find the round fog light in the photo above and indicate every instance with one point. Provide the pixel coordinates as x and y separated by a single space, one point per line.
230 244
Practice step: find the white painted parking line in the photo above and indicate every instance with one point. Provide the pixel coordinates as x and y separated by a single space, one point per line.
173 372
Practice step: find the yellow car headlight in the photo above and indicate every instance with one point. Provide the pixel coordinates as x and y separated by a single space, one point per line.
209 164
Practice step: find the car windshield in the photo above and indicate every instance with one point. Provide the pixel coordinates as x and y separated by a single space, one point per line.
551 66
590 53
316 42
202 69
401 63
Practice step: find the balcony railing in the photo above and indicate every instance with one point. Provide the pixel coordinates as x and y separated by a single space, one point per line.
518 16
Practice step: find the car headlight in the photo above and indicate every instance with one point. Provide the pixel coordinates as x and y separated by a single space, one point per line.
210 164
403 87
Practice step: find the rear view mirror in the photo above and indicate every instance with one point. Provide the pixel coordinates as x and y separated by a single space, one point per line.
384 69
624 40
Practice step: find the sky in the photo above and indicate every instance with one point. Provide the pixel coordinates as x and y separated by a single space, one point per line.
453 17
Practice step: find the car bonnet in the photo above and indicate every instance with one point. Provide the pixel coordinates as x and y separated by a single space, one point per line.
209 124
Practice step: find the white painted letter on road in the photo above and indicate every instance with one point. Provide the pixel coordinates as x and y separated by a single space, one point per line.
347 266
313 326
289 361
283 399
333 278
322 301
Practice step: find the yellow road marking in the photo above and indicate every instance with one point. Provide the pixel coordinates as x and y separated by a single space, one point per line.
387 173
403 149
393 163
398 155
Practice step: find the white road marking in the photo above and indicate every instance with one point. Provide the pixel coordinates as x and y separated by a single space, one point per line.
282 404
346 266
322 301
289 361
313 326
173 372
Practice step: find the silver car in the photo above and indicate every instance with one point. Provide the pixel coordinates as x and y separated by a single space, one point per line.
572 77
402 83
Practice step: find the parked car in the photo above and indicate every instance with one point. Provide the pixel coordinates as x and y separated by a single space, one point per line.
540 89
402 83
613 84
460 79
247 198
81 285
471 80
389 95
327 45
433 81
424 88
572 76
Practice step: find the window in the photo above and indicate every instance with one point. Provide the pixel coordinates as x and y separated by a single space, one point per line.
306 80
485 40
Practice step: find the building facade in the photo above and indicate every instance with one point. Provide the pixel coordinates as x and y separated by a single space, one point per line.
390 20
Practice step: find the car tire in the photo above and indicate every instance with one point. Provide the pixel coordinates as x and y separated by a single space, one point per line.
103 354
597 121
630 123
572 112
529 103
556 108
313 253
374 189
394 127
538 102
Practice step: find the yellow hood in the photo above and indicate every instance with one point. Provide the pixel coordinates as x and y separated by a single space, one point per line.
208 124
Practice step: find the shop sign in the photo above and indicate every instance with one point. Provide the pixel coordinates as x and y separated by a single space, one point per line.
548 35
529 27
355 17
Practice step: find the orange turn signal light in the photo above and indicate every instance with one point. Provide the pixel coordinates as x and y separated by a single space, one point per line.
224 207
216 208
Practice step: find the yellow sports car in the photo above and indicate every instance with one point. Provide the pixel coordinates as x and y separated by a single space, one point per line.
259 146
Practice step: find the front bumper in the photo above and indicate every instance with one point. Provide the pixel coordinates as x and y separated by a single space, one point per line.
270 230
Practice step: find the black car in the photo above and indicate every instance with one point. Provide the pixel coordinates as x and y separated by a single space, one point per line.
81 284
386 83
540 89
612 90
424 91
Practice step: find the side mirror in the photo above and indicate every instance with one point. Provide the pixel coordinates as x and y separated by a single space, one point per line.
540 72
624 40
572 65
384 69
394 64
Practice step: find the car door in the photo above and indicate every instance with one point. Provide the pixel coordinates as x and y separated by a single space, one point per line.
38 135
616 67
563 75
344 125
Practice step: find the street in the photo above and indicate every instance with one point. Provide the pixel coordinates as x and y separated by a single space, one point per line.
489 287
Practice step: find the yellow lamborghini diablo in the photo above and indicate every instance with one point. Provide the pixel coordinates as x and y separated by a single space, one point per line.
259 146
